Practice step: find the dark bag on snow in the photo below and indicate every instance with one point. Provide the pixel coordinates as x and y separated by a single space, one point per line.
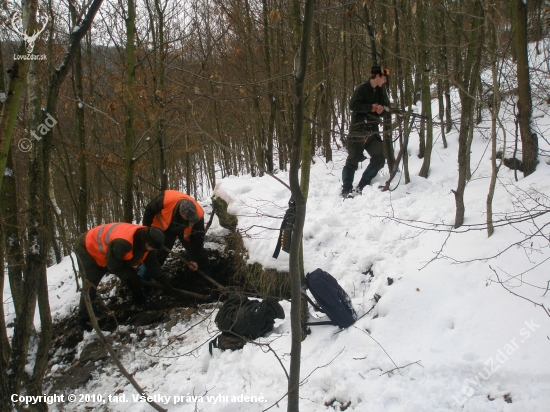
285 233
226 341
331 299
240 317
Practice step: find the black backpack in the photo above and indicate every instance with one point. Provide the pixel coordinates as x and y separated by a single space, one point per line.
331 299
241 319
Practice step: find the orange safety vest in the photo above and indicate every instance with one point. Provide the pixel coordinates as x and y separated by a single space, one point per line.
163 219
98 239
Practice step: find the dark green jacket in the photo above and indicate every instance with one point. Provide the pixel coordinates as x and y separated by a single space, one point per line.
363 120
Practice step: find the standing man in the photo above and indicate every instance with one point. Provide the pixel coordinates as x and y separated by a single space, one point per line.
117 248
179 216
367 105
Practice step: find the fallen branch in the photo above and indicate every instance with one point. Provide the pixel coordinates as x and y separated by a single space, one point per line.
546 310
172 289
369 335
175 338
110 349
303 380
401 367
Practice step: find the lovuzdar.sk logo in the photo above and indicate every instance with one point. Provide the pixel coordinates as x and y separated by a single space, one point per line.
17 25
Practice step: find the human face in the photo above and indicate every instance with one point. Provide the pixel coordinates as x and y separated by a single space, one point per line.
380 80
185 218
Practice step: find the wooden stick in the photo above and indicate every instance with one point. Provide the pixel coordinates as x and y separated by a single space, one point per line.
200 272
180 291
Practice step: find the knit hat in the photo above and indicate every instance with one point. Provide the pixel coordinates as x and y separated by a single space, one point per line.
187 208
377 69
155 237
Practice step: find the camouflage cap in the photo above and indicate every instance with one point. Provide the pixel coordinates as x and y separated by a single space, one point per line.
187 208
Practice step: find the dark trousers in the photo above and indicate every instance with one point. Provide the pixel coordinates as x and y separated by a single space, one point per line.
90 270
373 146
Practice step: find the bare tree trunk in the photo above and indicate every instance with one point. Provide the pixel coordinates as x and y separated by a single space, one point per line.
16 81
446 81
35 274
441 112
46 331
321 112
443 78
297 195
188 165
385 47
13 251
37 250
371 33
258 127
129 137
5 349
467 90
80 133
344 100
495 109
271 86
160 92
529 139
426 96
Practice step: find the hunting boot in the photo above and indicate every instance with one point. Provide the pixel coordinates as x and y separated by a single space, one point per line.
347 181
369 173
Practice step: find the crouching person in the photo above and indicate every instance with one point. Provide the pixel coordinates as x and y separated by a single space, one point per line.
179 216
117 248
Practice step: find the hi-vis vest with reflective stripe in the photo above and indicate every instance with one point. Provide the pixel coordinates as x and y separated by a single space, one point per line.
98 239
164 217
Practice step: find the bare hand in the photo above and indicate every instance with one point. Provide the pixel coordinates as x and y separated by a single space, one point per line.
193 266
377 108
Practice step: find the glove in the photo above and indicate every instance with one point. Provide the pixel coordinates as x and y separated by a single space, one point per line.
163 280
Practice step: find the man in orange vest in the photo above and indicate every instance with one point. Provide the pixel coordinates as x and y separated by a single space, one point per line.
117 248
179 216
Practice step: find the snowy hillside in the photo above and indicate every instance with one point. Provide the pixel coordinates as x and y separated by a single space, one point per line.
464 341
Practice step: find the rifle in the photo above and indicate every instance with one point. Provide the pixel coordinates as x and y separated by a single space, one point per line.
414 116
394 110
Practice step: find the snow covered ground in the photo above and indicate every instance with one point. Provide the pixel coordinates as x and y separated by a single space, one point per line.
464 341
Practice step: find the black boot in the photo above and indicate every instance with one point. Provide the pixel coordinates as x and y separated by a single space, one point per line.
347 181
362 183
369 173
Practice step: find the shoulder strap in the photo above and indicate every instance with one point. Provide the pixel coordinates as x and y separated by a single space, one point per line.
278 247
316 307
324 322
213 344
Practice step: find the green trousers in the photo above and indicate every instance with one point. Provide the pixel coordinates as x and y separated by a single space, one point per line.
356 146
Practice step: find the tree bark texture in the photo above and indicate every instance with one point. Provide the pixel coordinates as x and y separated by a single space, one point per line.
129 137
467 90
299 199
529 139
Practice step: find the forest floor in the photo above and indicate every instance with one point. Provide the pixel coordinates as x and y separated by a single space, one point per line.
116 313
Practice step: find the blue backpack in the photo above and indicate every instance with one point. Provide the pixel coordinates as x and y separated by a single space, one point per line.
331 299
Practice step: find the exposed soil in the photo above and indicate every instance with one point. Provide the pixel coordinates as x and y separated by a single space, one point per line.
161 307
